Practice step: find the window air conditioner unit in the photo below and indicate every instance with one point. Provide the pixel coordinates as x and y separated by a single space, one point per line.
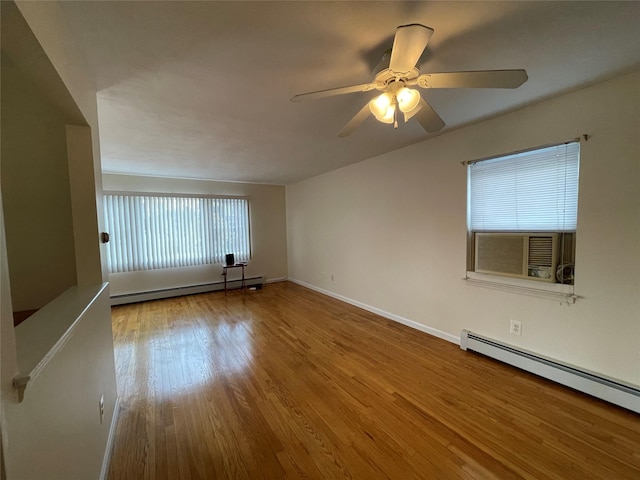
524 255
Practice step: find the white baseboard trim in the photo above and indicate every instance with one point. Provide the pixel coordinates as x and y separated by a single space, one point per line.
110 439
276 280
391 316
606 388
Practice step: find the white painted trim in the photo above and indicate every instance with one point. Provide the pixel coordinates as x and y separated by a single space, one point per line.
106 461
181 291
391 316
49 329
276 280
534 288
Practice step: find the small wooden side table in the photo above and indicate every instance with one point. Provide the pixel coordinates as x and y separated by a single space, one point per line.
225 273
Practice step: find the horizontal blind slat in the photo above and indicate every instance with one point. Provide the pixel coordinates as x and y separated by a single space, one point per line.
531 191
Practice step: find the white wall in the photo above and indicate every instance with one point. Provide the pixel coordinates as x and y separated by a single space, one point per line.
268 232
55 433
37 207
8 369
74 86
392 231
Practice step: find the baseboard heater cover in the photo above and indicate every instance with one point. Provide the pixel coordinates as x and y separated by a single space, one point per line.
608 389
180 291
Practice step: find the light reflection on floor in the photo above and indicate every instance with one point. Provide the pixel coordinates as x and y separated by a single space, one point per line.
181 358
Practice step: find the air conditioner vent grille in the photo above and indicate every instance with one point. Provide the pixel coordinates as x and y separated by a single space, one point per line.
541 251
500 254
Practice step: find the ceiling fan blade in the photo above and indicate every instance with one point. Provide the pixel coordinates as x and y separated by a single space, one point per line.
428 118
356 121
408 44
480 79
363 87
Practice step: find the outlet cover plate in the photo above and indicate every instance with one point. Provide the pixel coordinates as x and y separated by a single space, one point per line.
516 327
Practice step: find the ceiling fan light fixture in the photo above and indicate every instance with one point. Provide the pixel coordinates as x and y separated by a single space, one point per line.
409 115
389 115
408 99
399 68
381 105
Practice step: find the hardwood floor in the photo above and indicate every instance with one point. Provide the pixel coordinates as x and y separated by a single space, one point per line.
287 383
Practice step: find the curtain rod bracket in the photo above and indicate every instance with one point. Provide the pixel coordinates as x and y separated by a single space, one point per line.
586 137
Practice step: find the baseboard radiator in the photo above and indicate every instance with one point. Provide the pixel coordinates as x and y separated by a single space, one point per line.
608 389
180 291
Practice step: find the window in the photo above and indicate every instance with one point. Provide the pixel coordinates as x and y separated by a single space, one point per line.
162 231
522 213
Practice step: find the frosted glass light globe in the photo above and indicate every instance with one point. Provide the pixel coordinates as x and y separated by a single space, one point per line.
408 99
383 107
389 116
381 104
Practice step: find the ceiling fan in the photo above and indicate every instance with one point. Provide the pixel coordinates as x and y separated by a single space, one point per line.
398 71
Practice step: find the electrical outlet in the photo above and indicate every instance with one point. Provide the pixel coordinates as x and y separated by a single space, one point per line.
101 408
332 279
323 275
516 327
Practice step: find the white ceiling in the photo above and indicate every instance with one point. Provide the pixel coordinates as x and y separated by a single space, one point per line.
202 89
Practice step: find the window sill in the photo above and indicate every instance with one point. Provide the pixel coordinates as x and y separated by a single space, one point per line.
551 291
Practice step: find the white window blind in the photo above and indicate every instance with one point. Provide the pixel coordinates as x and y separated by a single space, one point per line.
157 231
531 191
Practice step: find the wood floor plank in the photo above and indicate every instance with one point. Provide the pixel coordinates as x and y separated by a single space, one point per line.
286 383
